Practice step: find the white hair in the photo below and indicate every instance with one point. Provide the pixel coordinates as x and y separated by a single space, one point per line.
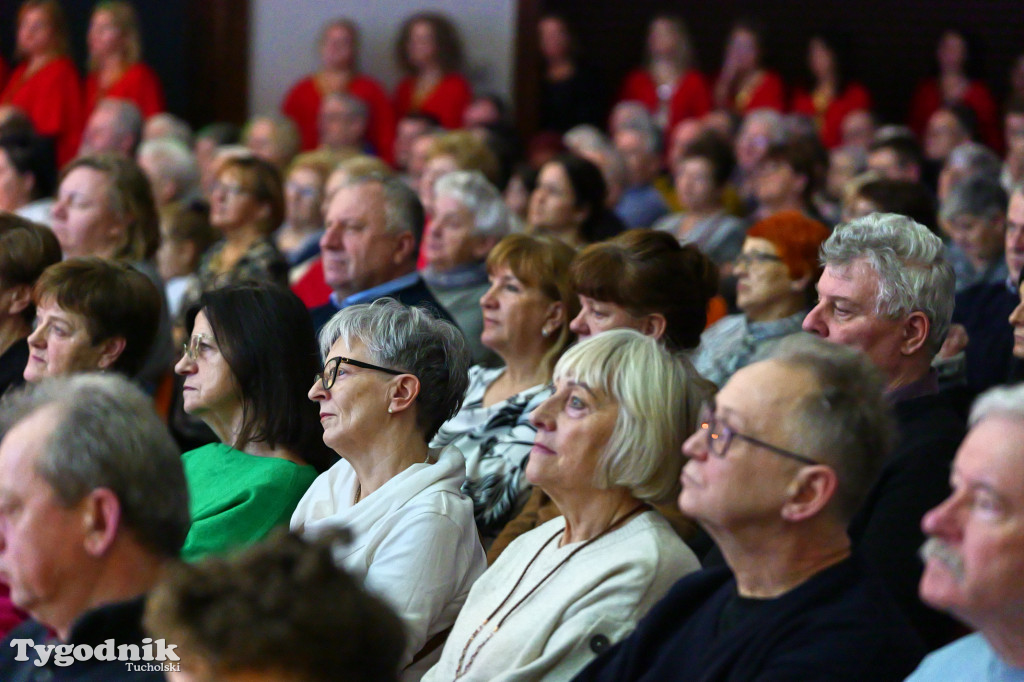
1002 400
173 161
479 197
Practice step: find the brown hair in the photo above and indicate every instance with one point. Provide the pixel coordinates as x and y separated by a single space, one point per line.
647 271
263 180
470 152
541 262
131 198
26 250
114 298
449 47
127 22
58 22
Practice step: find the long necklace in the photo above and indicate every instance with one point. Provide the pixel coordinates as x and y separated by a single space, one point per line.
464 665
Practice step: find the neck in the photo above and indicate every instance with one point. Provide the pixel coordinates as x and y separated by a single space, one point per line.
769 562
589 512
1007 640
525 370
776 310
697 213
430 72
907 374
394 449
243 236
111 64
13 328
128 572
226 424
38 61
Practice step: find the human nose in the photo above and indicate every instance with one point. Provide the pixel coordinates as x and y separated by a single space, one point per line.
316 392
943 521
185 365
814 323
579 325
59 210
487 300
695 447
541 417
331 239
37 339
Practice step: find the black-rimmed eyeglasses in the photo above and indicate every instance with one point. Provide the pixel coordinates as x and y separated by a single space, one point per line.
329 373
719 436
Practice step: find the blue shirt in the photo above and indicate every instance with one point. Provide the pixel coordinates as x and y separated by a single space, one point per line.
969 659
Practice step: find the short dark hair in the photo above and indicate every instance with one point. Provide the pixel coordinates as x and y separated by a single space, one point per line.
31 153
26 250
903 144
282 605
266 336
114 298
647 271
590 190
711 147
800 154
905 197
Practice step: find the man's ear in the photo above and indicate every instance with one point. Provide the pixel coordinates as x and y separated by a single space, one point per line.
101 519
653 325
403 392
810 492
405 247
110 351
915 332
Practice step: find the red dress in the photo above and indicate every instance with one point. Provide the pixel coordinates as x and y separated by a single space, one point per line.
769 93
691 99
52 100
853 98
446 102
928 98
302 105
139 84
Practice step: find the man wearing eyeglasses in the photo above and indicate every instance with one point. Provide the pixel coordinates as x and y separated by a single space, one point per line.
887 290
778 465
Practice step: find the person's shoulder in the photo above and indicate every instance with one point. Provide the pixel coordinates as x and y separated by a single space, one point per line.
967 659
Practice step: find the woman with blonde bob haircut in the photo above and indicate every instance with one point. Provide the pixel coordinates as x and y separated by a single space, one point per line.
608 445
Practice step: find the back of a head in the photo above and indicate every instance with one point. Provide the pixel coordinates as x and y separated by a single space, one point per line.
482 199
647 271
413 340
26 250
30 153
282 606
901 141
108 436
913 273
905 197
845 422
114 298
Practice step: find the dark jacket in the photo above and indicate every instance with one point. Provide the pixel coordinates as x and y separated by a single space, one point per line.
415 294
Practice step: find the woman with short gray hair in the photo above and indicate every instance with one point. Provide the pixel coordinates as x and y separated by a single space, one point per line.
608 445
392 375
470 217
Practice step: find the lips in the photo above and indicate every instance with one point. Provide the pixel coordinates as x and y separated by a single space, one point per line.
541 449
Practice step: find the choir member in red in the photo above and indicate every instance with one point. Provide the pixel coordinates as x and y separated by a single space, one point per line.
954 84
115 69
744 84
668 85
429 51
45 84
339 73
829 95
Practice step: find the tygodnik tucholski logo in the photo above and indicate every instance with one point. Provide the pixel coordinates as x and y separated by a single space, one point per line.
153 655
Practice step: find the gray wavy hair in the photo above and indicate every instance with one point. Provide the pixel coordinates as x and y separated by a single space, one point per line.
913 274
479 197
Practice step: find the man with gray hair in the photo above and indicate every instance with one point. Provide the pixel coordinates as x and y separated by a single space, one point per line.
172 170
641 204
372 231
115 126
887 290
780 462
343 123
93 504
974 556
973 214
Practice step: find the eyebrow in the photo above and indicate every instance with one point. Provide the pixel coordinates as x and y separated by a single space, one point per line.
583 385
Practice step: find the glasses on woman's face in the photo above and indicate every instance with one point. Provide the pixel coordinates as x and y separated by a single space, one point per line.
719 436
192 348
329 373
232 191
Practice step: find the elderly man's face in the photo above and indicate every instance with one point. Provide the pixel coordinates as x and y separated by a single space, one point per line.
41 540
1015 235
846 314
975 554
980 237
748 484
943 134
358 252
102 135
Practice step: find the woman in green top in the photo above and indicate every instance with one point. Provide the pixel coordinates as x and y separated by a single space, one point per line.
251 353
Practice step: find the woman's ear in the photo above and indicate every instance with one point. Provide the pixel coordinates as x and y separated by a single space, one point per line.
653 325
403 392
110 351
554 320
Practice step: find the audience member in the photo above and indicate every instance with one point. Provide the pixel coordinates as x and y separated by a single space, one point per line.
281 610
26 250
171 169
339 74
572 91
167 125
270 448
298 237
94 508
844 164
948 127
273 138
343 123
895 154
413 136
603 470
470 217
1013 125
973 215
185 235
830 95
453 151
858 129
526 314
114 126
641 204
430 53
761 129
887 290
776 274
115 66
786 179
403 372
569 202
209 139
45 85
743 84
967 160
29 175
594 146
776 493
669 85
975 549
869 193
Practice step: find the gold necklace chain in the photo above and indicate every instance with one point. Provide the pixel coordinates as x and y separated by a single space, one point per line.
464 665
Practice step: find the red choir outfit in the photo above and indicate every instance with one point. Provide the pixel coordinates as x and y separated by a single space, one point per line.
691 99
311 287
302 105
829 115
446 101
139 84
3 73
52 99
767 92
928 98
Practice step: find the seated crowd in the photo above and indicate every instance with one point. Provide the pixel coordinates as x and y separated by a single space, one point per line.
719 386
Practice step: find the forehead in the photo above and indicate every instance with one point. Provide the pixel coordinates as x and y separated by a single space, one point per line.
760 245
553 173
993 453
446 203
348 348
358 202
856 281
765 391
85 179
1015 212
22 446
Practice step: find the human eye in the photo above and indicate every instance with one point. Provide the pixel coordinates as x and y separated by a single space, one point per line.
985 503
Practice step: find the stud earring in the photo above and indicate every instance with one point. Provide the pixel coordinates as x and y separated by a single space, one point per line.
390 411
545 333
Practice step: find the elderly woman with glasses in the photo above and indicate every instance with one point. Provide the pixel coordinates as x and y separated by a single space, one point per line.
392 375
607 447
776 273
251 350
